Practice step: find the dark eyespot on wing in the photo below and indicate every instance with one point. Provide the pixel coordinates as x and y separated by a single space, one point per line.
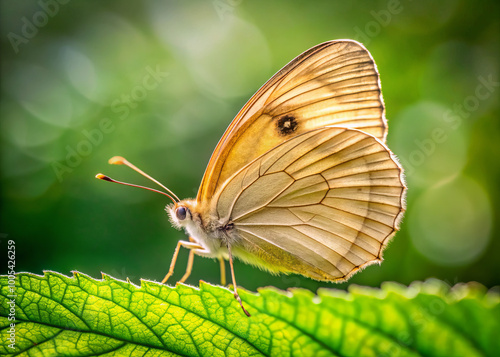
286 125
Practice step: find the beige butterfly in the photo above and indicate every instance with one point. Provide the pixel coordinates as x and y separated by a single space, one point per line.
301 181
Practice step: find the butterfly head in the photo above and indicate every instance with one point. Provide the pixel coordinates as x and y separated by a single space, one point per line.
181 213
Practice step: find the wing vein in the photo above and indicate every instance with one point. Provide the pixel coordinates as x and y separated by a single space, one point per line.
325 85
234 219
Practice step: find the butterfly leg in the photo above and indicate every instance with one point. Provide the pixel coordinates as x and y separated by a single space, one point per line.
189 267
236 296
222 271
189 245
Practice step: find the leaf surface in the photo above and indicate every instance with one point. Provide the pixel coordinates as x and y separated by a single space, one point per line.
58 315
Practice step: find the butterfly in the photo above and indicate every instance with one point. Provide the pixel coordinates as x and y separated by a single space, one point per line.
302 180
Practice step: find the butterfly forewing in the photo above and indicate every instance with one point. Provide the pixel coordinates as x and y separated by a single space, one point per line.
322 204
334 83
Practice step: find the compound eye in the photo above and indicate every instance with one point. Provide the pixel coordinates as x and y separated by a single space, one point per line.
181 213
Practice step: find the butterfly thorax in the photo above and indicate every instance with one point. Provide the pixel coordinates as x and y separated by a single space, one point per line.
206 230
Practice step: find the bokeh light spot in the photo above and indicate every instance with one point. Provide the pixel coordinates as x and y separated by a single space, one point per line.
42 94
445 80
80 70
213 59
450 224
431 145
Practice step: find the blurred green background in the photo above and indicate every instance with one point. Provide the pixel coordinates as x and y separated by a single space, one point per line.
159 81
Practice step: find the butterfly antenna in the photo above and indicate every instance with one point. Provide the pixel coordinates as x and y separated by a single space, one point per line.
118 160
107 178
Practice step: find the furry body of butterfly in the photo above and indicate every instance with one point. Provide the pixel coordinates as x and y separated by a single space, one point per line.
301 181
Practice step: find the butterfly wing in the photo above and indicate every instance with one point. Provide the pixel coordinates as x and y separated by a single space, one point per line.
334 83
323 204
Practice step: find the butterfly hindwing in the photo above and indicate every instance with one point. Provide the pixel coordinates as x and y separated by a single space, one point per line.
322 204
334 83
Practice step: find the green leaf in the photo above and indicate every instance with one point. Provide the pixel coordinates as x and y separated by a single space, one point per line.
56 315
